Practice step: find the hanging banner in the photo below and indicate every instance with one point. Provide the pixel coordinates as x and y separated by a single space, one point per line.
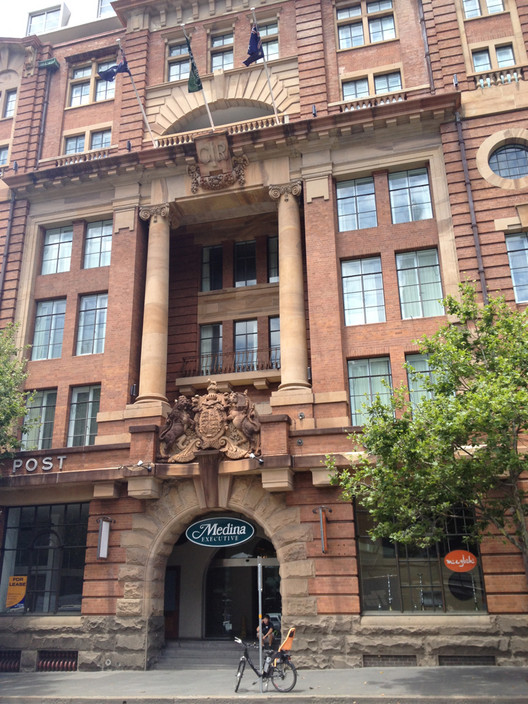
460 561
16 593
219 532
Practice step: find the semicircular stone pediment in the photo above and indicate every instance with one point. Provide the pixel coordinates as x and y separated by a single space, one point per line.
232 96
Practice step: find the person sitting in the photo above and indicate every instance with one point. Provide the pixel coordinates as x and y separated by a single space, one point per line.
267 632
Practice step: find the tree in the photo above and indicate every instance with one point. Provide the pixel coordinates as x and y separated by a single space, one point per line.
12 397
464 443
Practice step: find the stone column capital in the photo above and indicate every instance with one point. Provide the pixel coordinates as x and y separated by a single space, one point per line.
152 212
286 189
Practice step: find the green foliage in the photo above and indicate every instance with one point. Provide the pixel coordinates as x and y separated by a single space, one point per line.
12 397
465 442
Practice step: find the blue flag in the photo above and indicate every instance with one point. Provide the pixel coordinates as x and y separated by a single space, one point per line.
255 51
109 74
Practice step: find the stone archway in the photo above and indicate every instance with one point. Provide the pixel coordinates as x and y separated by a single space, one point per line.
154 532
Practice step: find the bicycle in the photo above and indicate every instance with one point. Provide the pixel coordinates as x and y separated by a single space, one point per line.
278 667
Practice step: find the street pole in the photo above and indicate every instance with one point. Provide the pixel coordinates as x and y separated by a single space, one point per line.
259 587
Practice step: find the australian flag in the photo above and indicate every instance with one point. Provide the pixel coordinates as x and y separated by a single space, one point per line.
255 51
109 74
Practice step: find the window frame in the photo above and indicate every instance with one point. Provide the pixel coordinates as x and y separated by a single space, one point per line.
4 154
358 399
91 325
269 36
105 9
244 264
89 82
51 328
371 78
246 354
180 59
363 20
274 342
483 9
514 268
225 50
359 201
50 262
55 9
411 203
40 414
212 268
419 284
89 432
211 361
10 103
362 278
102 253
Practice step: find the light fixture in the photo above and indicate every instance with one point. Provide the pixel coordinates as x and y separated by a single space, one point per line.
104 537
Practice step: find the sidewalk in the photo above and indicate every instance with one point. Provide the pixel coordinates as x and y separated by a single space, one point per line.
392 685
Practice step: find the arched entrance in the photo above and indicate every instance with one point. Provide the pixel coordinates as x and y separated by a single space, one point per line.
212 592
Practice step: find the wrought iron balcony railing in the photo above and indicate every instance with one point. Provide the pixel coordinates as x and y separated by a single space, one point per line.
231 363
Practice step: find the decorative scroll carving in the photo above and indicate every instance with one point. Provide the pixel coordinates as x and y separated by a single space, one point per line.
227 422
154 211
287 189
219 181
29 61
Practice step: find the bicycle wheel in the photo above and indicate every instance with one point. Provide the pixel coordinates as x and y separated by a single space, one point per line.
284 676
240 672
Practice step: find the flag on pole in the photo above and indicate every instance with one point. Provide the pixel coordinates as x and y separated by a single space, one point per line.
109 74
194 83
255 50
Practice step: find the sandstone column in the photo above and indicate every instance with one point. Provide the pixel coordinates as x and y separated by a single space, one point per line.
294 350
153 369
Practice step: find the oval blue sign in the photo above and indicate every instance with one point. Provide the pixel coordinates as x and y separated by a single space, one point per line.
219 532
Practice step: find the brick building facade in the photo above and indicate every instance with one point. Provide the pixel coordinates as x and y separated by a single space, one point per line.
294 255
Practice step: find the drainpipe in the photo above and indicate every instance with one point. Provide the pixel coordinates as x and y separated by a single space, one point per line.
6 245
426 46
51 65
474 228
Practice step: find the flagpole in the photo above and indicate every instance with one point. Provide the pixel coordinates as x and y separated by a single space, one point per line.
203 89
267 70
138 99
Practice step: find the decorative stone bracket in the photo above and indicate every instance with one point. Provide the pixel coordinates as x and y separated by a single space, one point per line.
216 182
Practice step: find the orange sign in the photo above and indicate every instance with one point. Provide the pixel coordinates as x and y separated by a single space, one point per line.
460 561
16 591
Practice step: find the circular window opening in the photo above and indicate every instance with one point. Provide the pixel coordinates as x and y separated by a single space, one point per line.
510 161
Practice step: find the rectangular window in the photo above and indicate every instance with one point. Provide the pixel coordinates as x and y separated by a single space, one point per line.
474 8
356 204
212 268
273 260
505 56
49 327
419 284
403 578
410 196
365 29
46 544
4 153
353 90
417 376
39 418
363 291
481 60
221 59
270 40
98 245
246 343
74 145
471 8
274 342
387 82
104 9
211 349
84 408
43 21
104 90
178 62
367 378
517 246
10 103
245 263
101 139
381 29
92 324
56 252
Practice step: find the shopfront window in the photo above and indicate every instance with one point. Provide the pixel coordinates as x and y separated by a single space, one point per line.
44 546
403 578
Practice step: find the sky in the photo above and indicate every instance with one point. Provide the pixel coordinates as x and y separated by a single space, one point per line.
14 20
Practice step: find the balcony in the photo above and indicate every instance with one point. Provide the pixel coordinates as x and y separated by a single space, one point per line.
259 367
501 77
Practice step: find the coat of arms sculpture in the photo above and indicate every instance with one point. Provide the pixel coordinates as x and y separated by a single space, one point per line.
227 422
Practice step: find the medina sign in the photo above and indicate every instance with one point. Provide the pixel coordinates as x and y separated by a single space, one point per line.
219 532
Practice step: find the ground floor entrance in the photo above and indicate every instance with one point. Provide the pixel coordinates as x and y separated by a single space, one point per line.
212 592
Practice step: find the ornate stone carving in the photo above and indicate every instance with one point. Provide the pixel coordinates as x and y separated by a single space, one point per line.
287 189
29 61
227 422
218 181
155 211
